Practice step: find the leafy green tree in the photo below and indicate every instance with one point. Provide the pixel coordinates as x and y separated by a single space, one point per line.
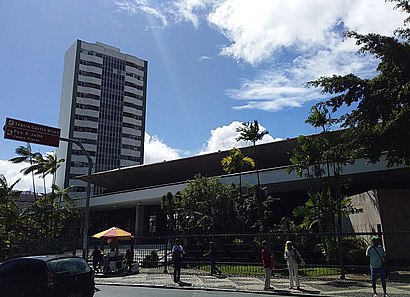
169 204
206 206
238 162
55 219
321 158
379 120
9 214
251 132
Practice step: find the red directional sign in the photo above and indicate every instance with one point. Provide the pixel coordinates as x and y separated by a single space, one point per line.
30 132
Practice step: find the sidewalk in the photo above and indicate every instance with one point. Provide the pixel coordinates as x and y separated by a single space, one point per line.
309 286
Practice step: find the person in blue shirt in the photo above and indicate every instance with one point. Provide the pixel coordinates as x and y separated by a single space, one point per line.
377 256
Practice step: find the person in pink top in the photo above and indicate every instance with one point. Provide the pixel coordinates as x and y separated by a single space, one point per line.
267 264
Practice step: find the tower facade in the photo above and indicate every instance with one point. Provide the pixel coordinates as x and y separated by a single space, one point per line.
103 105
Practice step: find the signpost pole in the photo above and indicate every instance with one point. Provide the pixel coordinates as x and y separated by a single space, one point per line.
87 200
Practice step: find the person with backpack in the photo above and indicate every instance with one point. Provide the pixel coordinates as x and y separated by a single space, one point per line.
177 256
293 259
377 256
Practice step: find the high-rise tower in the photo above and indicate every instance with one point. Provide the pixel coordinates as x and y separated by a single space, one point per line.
102 105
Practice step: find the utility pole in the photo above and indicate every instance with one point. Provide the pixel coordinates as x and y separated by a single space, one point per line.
87 199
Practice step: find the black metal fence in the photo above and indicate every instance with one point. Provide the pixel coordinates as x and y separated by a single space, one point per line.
240 253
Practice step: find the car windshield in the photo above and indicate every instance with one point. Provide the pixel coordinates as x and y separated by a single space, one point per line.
68 265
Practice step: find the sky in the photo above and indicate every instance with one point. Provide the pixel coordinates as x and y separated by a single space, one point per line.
212 64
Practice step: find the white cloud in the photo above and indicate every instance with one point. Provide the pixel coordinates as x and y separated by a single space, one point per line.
151 8
203 58
156 150
271 92
294 41
257 29
224 138
186 10
284 86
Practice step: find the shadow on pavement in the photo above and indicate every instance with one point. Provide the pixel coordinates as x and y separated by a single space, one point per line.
183 284
344 284
309 291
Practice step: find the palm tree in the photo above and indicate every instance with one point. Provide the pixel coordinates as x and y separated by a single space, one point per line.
50 165
37 168
44 166
237 162
251 132
25 155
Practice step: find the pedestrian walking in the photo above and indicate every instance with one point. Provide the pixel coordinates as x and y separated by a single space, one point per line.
267 265
377 256
293 259
213 256
177 256
96 258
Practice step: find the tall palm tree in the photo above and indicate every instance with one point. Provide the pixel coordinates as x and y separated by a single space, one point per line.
50 165
44 166
251 132
25 155
37 168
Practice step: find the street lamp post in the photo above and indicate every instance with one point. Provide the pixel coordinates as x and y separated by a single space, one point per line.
87 200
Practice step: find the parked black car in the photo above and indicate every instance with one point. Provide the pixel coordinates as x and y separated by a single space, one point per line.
46 276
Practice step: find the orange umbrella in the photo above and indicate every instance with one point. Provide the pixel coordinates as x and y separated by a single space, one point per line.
112 233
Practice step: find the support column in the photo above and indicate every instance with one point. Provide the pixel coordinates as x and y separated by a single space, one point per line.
139 220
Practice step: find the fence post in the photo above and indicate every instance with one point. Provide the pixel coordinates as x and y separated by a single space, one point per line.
379 233
166 255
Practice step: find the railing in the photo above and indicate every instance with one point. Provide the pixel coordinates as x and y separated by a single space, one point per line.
240 253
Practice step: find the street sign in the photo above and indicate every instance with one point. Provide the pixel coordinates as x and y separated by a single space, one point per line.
30 132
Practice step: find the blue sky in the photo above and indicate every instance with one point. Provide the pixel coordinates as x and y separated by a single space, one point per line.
212 64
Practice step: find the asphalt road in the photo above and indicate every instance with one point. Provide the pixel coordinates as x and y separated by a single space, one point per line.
127 291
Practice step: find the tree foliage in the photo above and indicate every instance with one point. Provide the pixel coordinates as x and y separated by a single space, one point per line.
206 206
51 215
379 120
321 159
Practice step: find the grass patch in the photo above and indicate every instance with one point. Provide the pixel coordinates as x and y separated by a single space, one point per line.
258 271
